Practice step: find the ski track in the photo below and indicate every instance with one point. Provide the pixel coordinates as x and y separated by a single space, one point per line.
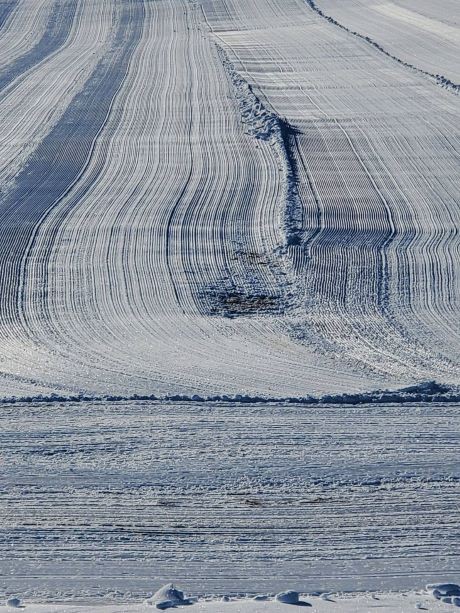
282 223
109 501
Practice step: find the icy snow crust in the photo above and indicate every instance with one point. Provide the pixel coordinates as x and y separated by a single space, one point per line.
224 199
105 502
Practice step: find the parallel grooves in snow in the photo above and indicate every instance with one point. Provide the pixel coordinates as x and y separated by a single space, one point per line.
22 24
375 271
55 165
265 125
105 502
423 33
56 31
186 241
439 79
6 8
33 106
168 205
194 296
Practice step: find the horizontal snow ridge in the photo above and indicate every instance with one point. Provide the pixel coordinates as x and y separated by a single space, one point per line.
428 391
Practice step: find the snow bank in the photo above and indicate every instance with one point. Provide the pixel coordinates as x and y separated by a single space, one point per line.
427 391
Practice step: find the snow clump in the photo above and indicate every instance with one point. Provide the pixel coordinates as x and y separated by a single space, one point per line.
288 597
169 597
449 593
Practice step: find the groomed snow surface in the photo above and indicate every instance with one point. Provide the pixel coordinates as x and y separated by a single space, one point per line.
214 213
224 197
106 502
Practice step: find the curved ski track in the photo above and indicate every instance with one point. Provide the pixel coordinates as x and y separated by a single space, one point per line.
220 198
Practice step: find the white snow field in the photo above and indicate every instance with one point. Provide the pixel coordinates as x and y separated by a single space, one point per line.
423 33
225 197
106 502
225 225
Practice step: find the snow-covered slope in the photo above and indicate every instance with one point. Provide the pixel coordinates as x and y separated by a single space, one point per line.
369 143
220 197
423 33
217 200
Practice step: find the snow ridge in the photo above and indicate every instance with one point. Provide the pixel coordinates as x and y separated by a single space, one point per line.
264 124
440 80
428 391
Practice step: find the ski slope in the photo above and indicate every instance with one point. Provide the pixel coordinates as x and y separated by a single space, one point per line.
221 197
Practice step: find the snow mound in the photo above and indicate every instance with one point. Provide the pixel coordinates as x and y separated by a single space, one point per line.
444 589
449 593
291 597
288 597
168 597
